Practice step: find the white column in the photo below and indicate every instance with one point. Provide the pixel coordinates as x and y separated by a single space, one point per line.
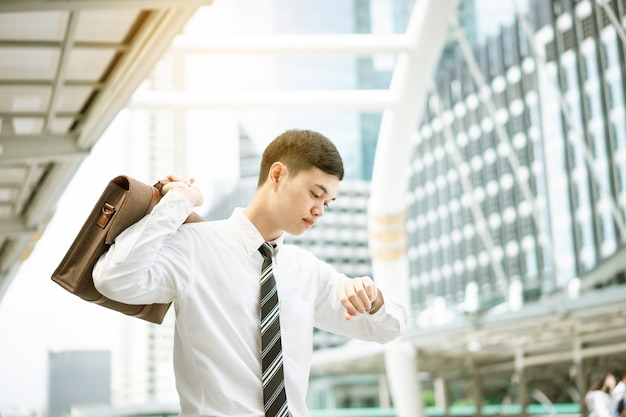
413 74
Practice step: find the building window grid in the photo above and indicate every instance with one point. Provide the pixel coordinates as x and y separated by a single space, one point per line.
593 105
499 99
570 75
568 39
484 113
524 156
550 51
587 27
615 94
516 124
512 235
420 206
590 64
477 178
530 260
475 143
604 18
506 37
460 281
609 54
618 129
471 116
418 298
489 140
512 267
522 41
529 80
504 167
515 90
490 172
576 115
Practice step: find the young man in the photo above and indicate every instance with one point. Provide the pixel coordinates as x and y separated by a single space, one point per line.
212 273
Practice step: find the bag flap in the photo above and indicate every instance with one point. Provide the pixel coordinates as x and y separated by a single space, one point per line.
138 201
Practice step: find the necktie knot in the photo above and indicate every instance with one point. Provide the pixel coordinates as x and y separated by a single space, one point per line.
267 249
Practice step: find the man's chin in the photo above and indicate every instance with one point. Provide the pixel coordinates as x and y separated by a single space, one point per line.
299 231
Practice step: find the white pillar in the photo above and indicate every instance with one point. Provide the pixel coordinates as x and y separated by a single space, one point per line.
427 28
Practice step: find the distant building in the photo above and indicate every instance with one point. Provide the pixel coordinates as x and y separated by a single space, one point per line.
78 379
143 372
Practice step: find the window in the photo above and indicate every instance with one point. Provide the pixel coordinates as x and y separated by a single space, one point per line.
616 95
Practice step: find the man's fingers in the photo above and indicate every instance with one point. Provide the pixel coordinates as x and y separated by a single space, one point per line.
358 295
345 295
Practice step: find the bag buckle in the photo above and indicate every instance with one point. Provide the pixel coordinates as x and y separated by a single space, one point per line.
105 215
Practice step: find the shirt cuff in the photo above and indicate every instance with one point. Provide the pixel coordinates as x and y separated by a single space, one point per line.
174 206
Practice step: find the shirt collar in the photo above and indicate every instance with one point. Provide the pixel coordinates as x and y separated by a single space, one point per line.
250 236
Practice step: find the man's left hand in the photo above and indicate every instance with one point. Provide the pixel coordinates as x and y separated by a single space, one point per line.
359 296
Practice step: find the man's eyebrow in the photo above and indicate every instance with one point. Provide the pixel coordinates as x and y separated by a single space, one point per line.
321 187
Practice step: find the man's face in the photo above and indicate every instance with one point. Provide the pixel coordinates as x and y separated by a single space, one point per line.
302 199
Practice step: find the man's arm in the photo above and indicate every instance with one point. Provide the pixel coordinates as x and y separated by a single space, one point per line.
356 307
145 265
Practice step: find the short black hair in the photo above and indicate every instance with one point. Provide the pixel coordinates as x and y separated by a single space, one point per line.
300 150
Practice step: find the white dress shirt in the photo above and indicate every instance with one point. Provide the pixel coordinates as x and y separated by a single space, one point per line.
598 403
211 270
617 394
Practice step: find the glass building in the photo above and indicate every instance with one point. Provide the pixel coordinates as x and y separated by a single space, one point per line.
509 187
468 218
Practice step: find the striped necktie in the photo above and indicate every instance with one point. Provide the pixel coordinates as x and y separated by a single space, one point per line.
274 396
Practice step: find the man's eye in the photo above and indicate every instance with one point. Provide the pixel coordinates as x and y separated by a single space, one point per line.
315 196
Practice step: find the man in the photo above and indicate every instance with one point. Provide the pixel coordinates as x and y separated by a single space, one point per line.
211 271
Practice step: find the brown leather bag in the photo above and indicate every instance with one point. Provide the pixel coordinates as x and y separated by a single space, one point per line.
124 202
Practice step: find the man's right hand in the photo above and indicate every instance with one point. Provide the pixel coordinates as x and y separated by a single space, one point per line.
184 186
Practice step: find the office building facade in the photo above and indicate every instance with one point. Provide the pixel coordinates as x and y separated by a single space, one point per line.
517 174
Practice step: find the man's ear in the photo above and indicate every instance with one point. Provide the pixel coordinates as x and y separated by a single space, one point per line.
277 171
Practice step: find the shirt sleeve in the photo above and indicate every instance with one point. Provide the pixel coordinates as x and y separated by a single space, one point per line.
388 323
148 262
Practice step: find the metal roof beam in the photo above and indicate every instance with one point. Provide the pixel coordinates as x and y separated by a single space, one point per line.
45 5
58 44
349 44
364 100
31 114
15 227
27 148
61 70
48 83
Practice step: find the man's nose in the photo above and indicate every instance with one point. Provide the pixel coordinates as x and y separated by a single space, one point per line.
318 210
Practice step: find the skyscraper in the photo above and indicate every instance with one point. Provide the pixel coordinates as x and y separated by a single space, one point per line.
78 379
